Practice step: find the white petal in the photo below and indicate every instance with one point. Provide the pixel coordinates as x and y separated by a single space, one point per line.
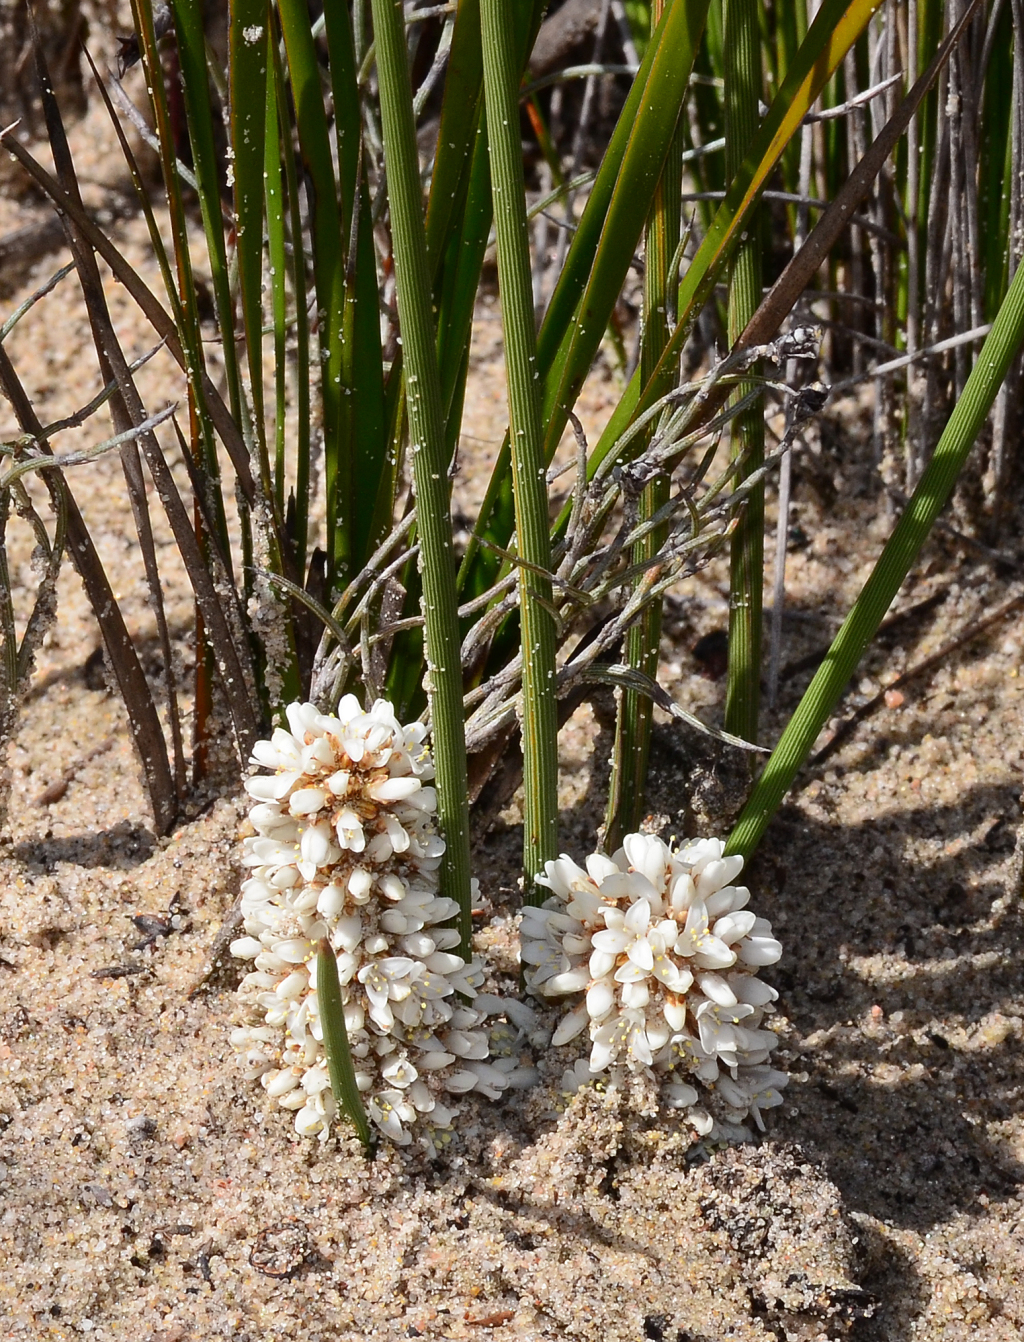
759 951
678 1095
635 996
638 917
612 942
308 1122
684 892
718 872
734 926
752 990
348 932
601 964
246 948
269 789
600 999
649 855
461 1082
394 789
717 989
641 954
434 1060
331 901
571 981
360 883
307 800
294 950
599 866
570 1026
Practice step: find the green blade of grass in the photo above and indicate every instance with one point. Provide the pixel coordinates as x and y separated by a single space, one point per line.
835 28
188 27
650 137
247 71
459 282
746 552
362 368
801 269
347 112
580 258
339 1055
429 457
602 247
539 717
902 548
329 277
299 528
277 264
634 714
459 217
457 132
188 326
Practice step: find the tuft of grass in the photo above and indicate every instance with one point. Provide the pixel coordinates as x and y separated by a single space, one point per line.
346 250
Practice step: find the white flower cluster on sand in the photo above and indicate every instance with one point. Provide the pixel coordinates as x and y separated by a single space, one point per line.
346 848
662 947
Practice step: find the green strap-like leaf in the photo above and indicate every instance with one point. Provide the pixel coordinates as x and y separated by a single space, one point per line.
601 250
649 140
427 447
329 276
902 548
836 27
248 54
539 712
339 1056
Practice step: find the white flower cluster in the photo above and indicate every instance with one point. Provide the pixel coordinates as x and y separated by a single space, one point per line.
346 848
667 954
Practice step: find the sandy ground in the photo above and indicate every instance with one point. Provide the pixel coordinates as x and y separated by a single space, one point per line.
149 1193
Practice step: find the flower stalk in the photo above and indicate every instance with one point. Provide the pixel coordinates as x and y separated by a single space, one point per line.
635 717
429 457
742 57
539 715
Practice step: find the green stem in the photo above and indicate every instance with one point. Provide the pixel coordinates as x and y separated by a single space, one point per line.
900 551
429 459
539 709
742 53
635 716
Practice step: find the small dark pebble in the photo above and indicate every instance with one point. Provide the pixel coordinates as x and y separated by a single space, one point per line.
654 1327
203 1261
153 924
